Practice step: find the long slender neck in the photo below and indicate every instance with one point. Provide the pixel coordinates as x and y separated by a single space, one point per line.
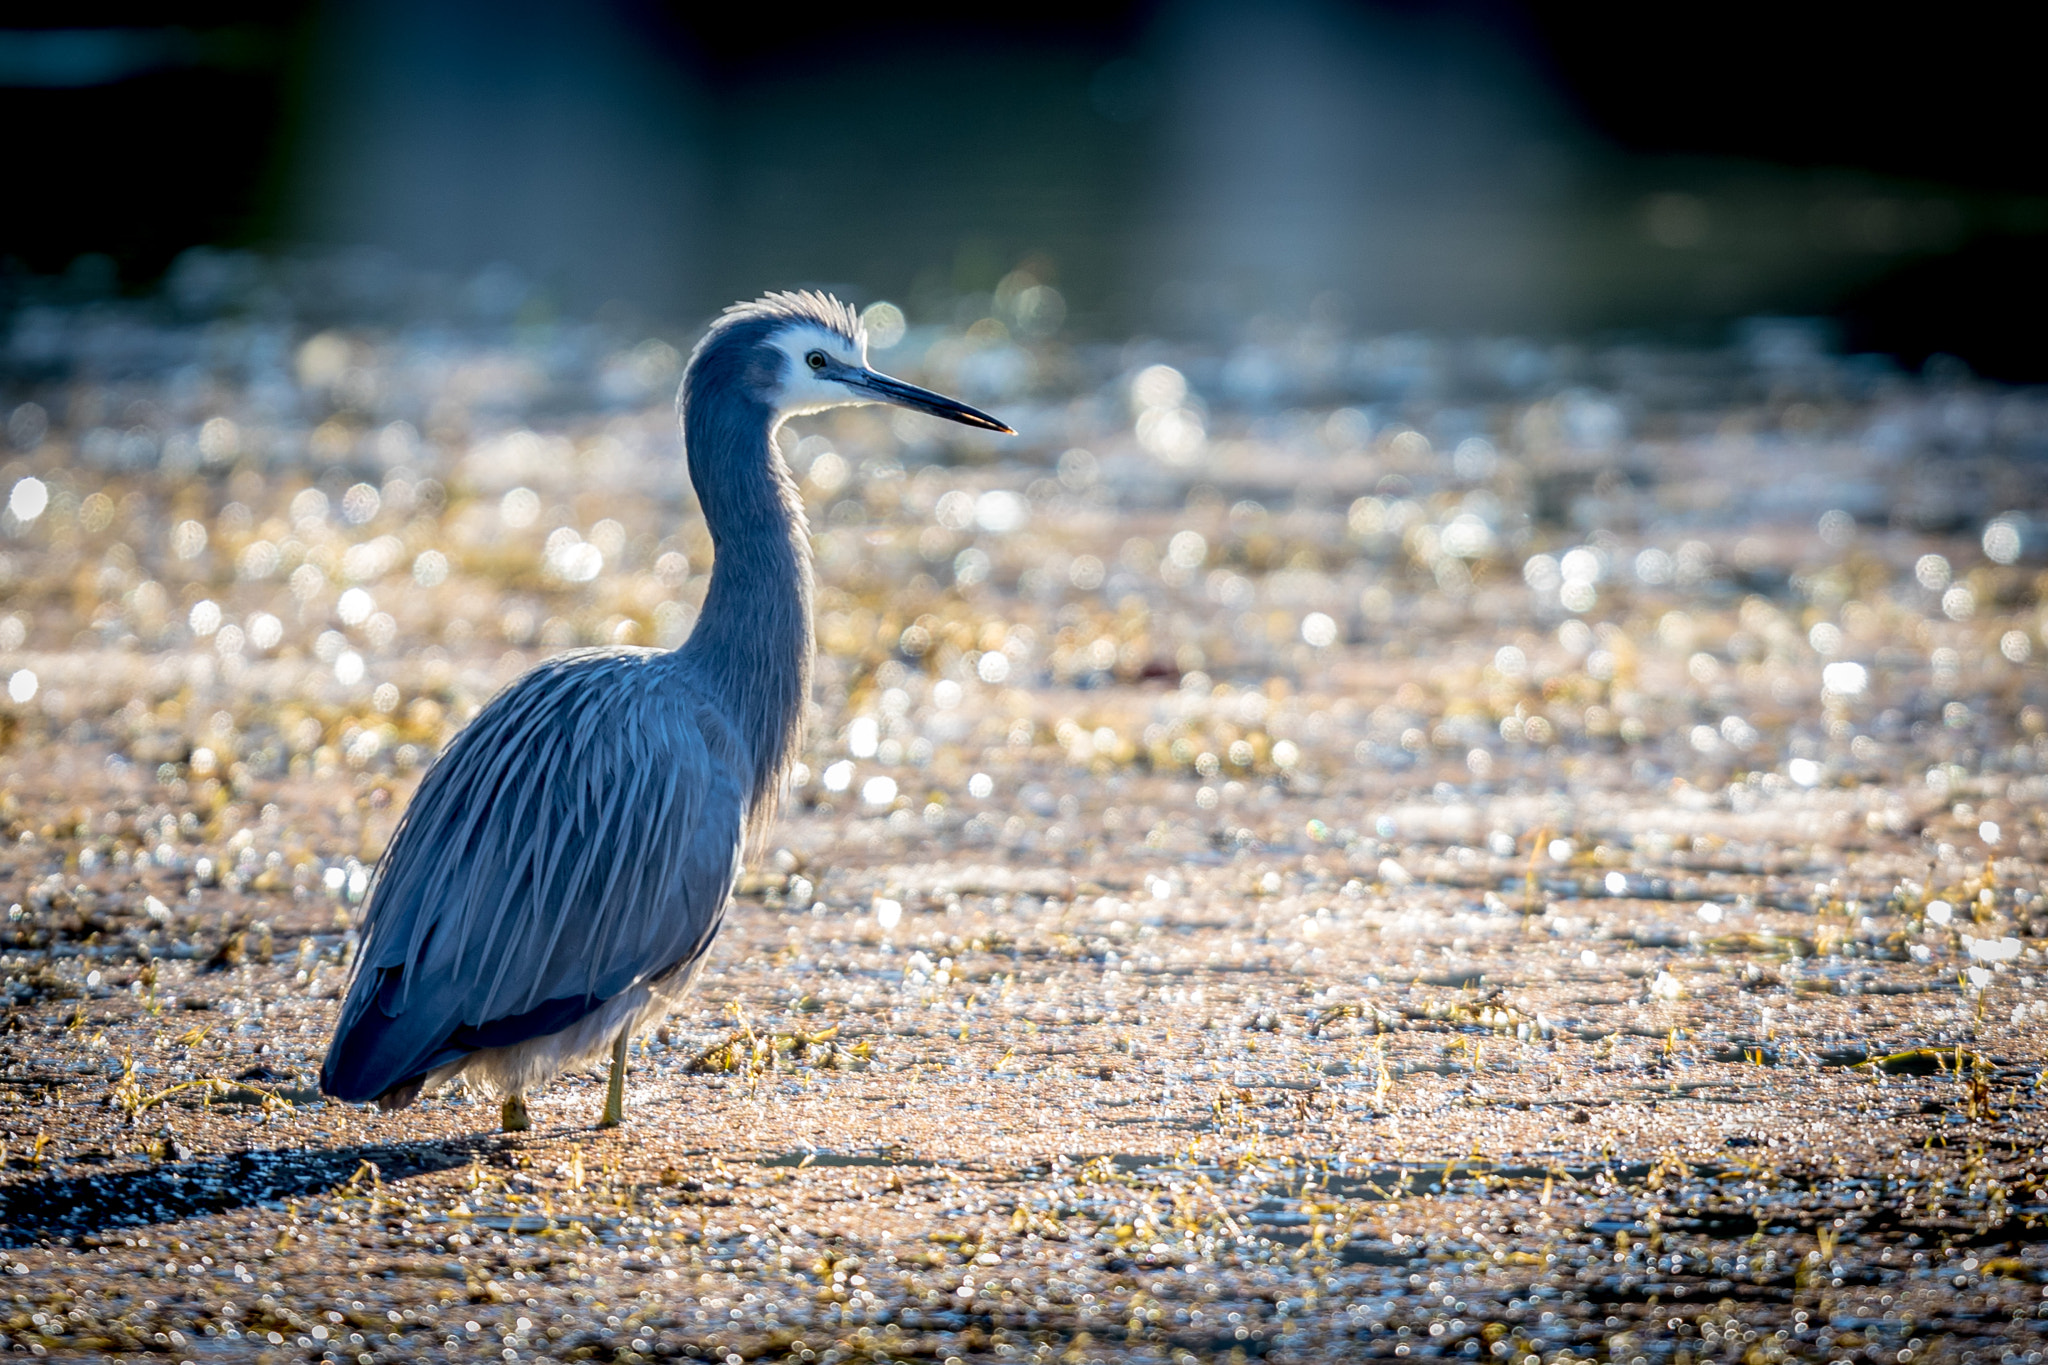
753 639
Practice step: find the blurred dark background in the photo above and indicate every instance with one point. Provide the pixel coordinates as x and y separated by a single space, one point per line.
1484 166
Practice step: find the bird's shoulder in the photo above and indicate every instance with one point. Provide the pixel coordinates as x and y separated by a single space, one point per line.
600 697
563 741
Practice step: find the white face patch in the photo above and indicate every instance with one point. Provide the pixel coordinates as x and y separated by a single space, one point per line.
803 388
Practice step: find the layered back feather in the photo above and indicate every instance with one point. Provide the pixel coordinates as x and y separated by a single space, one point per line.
579 837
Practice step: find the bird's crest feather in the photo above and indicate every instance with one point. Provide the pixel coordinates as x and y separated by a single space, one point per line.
796 305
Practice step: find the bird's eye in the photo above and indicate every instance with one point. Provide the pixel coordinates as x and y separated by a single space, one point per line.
816 360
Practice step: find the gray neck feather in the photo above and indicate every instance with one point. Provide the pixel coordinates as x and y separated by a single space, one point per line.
753 639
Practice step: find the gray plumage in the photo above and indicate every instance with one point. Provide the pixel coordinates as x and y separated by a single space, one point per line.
566 863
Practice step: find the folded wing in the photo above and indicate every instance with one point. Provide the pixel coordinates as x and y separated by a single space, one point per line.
578 837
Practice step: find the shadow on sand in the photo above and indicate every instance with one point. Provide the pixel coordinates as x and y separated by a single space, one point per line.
61 1206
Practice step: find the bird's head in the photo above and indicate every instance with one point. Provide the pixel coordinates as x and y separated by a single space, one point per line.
806 352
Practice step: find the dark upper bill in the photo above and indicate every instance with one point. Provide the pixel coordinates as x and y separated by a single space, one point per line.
888 390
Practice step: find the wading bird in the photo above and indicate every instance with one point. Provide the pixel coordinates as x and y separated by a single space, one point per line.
566 863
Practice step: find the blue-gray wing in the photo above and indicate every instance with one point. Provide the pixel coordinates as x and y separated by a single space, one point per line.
578 837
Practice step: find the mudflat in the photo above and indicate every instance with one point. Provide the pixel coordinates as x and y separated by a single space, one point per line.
1512 874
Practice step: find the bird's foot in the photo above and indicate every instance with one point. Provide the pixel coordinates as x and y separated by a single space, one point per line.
512 1118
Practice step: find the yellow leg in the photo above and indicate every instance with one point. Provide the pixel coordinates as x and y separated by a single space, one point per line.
512 1118
615 1093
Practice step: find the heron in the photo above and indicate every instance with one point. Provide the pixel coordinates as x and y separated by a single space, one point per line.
557 880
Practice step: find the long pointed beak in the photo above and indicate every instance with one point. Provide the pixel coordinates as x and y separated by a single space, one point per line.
885 389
